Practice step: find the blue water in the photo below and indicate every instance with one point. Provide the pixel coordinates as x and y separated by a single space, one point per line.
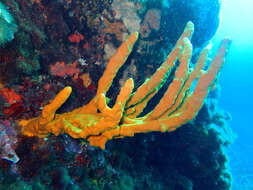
237 87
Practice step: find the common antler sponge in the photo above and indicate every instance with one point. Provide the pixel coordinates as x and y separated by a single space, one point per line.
98 123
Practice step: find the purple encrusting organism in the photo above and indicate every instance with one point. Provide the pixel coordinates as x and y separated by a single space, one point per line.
8 139
72 145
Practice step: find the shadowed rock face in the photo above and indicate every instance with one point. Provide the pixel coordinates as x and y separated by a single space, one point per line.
204 14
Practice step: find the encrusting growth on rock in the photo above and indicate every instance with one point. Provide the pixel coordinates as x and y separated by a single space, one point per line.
98 123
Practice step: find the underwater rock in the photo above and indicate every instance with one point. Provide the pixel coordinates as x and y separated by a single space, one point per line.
127 11
191 158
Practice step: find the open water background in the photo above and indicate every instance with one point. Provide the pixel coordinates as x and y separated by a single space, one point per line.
237 87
